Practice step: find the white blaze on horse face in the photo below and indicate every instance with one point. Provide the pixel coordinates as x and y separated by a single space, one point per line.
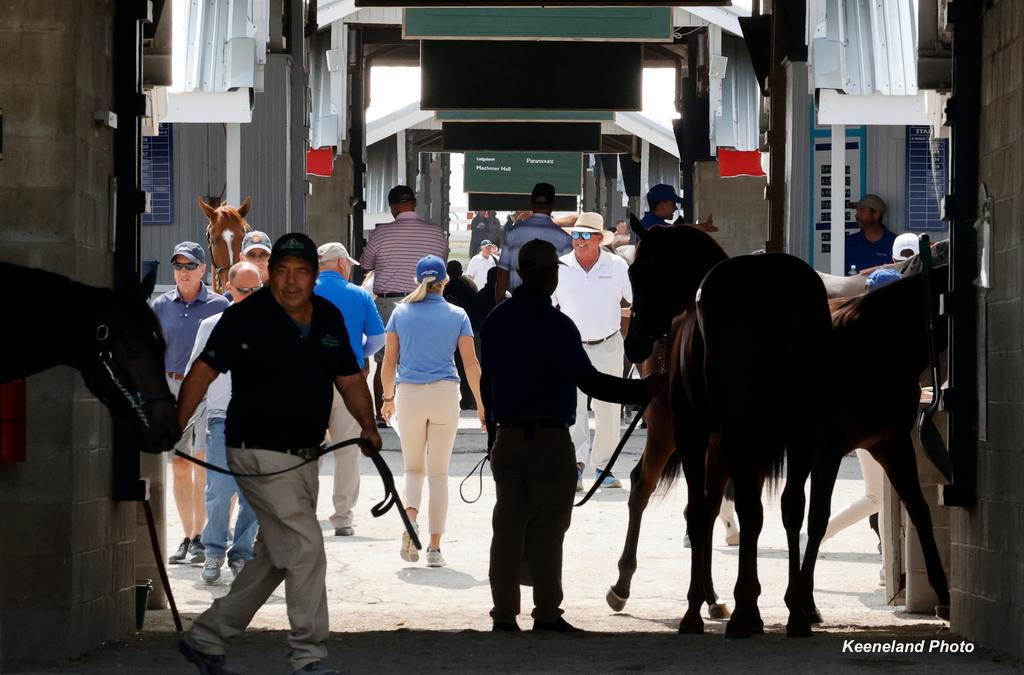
229 236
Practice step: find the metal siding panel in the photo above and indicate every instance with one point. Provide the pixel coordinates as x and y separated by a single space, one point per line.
798 162
265 162
887 171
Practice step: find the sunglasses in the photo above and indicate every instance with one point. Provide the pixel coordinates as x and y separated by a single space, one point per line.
585 236
184 266
246 290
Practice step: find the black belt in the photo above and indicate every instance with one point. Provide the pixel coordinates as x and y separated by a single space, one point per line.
533 423
304 453
591 343
392 295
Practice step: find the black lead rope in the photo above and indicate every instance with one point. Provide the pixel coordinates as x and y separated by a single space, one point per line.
479 466
390 499
615 455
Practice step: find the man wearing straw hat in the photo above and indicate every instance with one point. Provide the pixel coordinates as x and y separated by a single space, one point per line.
593 287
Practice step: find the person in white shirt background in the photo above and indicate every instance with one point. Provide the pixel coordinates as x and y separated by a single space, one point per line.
481 263
593 287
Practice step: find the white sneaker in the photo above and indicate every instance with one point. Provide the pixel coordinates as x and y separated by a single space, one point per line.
434 557
409 552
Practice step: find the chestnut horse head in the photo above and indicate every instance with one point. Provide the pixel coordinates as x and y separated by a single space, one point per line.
224 236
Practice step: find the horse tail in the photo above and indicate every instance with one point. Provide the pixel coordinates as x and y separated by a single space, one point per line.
673 467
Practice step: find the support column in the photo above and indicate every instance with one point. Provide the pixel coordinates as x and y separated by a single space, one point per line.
233 163
838 203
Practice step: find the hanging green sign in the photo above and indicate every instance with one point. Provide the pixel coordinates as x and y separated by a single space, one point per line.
518 172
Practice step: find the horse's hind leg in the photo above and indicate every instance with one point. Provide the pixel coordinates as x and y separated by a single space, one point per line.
693 454
900 462
644 479
746 619
823 481
798 467
715 480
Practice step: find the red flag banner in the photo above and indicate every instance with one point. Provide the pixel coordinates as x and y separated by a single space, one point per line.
739 163
320 161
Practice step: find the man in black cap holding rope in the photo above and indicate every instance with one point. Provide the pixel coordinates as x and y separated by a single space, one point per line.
287 349
533 361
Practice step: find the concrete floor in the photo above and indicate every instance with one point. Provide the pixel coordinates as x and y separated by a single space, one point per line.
390 615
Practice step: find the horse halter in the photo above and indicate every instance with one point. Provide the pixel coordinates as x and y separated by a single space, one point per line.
135 398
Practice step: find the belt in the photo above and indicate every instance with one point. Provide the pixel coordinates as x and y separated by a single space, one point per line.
533 423
591 343
392 295
304 453
175 376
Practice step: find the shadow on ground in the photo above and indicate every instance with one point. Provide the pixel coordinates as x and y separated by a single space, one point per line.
468 651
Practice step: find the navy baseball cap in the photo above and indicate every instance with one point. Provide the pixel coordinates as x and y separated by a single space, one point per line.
255 239
401 194
663 193
882 277
190 250
296 244
543 194
431 266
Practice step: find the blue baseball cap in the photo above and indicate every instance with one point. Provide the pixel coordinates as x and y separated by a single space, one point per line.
431 266
882 277
190 250
663 193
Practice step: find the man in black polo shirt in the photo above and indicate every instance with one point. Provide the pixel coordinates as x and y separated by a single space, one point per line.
533 361
287 350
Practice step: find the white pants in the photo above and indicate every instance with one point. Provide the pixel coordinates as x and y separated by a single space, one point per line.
346 463
867 505
607 357
428 420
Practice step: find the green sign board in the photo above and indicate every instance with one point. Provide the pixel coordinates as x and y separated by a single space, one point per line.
518 172
525 116
600 24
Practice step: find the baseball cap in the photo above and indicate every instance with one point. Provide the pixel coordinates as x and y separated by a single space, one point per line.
333 251
190 250
401 194
296 244
431 266
873 202
486 242
538 254
255 239
906 241
663 193
882 277
543 194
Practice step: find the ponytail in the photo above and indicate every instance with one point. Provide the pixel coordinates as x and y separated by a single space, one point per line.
429 284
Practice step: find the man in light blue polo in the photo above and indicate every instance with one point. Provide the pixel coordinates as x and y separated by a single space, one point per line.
538 226
180 311
366 335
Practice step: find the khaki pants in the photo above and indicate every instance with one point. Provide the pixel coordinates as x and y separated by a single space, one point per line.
428 421
607 358
346 463
535 475
289 548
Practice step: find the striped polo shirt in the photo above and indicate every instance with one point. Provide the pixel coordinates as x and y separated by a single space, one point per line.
393 250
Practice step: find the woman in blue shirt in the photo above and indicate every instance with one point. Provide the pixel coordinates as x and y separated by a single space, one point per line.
421 338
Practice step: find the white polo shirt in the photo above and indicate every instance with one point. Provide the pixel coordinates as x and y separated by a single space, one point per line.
593 299
478 268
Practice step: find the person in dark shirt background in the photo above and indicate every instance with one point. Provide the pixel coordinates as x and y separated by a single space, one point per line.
461 292
871 246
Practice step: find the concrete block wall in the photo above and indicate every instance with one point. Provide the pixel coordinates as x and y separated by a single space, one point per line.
987 548
737 204
67 558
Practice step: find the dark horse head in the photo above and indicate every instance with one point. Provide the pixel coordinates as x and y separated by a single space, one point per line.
112 337
668 269
121 357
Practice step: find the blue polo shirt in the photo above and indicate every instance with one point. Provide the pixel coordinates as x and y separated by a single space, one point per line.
180 321
428 335
865 254
650 220
356 305
537 226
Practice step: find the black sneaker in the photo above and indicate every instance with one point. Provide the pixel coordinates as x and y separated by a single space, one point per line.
178 557
208 664
196 552
506 627
558 626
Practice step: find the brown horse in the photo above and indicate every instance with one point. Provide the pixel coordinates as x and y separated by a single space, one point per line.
224 235
874 393
746 366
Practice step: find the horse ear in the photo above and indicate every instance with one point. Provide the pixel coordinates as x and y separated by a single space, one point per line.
207 209
638 229
244 208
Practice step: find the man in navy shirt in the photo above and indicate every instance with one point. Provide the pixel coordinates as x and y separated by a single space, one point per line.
663 202
872 245
533 361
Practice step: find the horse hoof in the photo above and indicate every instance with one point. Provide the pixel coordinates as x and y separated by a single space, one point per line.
719 610
735 630
814 616
615 601
797 628
691 625
942 612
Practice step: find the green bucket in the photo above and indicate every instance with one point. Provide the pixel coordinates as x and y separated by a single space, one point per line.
143 587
